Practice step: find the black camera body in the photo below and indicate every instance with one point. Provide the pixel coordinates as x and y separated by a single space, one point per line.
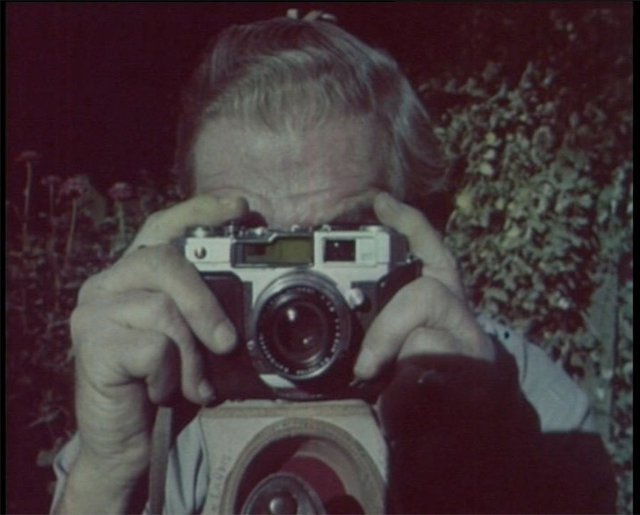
301 301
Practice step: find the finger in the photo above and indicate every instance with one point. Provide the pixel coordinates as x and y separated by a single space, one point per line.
152 357
163 268
168 224
424 241
423 340
356 208
152 311
164 380
157 313
425 302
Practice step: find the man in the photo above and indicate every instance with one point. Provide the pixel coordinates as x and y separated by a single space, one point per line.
303 123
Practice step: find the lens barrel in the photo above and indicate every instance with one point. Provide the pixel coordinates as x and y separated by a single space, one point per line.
302 326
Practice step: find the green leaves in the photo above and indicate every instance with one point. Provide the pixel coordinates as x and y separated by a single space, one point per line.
42 292
542 220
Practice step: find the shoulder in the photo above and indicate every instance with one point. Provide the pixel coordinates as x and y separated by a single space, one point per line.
561 404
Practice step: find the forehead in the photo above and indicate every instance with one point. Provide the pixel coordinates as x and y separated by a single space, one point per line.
289 169
337 149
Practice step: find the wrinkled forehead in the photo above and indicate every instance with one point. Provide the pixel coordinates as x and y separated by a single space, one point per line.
297 171
341 147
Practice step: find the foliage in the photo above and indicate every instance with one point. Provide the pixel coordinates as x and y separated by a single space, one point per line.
66 238
542 223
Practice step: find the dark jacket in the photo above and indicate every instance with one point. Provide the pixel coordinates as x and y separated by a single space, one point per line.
464 439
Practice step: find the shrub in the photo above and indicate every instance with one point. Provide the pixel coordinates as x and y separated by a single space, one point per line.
73 233
542 223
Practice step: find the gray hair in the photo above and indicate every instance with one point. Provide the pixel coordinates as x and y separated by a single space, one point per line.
294 73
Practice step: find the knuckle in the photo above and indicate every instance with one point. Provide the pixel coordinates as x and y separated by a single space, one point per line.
155 353
427 294
417 339
420 334
151 225
447 255
164 251
449 259
160 257
154 219
196 309
427 285
154 347
90 287
169 318
77 323
83 325
163 347
162 307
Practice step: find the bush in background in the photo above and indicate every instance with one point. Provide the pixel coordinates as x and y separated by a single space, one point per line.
543 217
68 232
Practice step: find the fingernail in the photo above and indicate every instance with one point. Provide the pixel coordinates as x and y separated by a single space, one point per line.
205 390
225 336
365 364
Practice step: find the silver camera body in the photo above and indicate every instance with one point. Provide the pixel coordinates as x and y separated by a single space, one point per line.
300 300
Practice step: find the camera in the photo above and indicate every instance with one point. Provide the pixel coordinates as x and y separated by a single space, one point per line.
300 300
294 457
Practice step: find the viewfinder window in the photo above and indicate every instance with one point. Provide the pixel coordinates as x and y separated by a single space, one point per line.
340 250
281 252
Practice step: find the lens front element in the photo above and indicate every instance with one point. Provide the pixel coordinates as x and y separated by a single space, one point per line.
301 330
302 326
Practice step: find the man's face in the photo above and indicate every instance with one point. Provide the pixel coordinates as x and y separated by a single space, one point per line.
291 177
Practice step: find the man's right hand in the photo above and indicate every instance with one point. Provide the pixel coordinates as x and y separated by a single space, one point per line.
135 332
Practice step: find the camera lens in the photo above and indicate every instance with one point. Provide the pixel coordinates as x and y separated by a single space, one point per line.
298 329
301 332
302 327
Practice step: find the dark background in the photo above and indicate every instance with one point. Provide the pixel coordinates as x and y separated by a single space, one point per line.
94 87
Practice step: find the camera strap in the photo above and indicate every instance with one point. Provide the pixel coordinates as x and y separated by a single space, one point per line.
161 440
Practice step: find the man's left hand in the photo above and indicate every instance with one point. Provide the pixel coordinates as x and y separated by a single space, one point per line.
430 315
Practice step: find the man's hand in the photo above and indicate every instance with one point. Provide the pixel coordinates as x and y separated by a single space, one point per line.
134 323
429 315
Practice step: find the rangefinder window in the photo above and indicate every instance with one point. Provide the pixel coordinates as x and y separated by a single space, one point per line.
281 252
340 250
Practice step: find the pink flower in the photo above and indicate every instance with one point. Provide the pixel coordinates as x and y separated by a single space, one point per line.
120 191
28 156
75 186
